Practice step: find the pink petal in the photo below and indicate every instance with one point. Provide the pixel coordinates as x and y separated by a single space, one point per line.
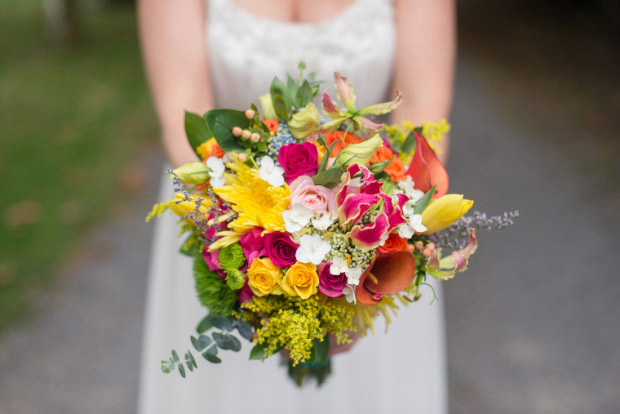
369 236
329 106
345 91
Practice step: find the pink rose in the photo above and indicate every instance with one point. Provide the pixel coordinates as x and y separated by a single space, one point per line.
253 244
298 159
213 261
316 197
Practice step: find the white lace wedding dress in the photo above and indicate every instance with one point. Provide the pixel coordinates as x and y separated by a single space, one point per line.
402 372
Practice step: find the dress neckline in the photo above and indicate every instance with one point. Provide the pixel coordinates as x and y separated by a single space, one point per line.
343 14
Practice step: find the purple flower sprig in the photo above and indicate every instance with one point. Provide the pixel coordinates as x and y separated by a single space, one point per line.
457 235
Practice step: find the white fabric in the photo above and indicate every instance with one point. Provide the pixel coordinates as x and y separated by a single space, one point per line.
402 372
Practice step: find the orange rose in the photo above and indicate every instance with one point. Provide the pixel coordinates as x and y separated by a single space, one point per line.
330 137
382 154
396 170
394 243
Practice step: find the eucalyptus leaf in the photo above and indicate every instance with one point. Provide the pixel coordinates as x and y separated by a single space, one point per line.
181 370
244 328
222 323
205 324
190 361
199 346
212 358
167 366
176 357
424 200
221 122
208 345
196 129
227 342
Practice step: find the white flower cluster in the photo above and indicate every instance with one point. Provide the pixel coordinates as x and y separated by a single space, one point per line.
216 167
414 221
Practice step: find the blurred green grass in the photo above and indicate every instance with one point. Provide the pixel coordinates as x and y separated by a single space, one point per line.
72 119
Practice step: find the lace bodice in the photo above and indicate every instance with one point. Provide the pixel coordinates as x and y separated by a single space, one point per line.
246 50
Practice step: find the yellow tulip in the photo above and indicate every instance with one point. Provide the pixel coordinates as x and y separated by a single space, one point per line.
444 211
185 207
194 172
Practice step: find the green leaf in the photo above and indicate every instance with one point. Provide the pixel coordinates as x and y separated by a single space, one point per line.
259 351
190 361
304 95
175 356
291 90
227 342
328 178
221 122
325 159
279 98
280 107
378 167
205 324
424 200
222 323
321 140
199 346
196 129
409 144
189 249
244 328
212 358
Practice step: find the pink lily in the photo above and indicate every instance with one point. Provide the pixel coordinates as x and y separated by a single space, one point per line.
348 98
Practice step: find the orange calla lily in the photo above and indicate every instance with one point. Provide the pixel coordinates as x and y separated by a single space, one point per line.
390 273
426 170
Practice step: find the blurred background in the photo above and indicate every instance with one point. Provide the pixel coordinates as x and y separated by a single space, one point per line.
532 327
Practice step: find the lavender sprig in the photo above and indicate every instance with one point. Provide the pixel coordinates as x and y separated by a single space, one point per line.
457 235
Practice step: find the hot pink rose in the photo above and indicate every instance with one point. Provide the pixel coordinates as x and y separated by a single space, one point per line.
316 197
298 159
253 244
280 248
213 261
331 285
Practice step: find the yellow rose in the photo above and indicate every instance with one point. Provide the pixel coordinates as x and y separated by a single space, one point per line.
444 211
264 277
301 280
185 207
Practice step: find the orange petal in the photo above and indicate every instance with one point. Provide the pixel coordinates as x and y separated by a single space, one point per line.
426 170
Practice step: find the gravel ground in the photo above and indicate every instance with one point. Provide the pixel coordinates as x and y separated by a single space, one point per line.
532 326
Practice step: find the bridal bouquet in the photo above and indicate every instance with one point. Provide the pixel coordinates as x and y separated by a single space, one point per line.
305 227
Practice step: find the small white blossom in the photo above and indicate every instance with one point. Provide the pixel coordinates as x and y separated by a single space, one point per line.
406 186
339 265
271 173
353 275
405 231
312 249
349 293
297 217
323 222
415 221
217 167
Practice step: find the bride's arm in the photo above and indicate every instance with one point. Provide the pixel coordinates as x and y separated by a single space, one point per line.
172 36
425 59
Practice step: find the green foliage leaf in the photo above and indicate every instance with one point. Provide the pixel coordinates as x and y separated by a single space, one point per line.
207 344
304 95
167 366
190 361
424 200
409 144
189 248
222 323
221 122
325 159
279 98
321 348
328 178
196 129
227 342
258 352
378 167
181 370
